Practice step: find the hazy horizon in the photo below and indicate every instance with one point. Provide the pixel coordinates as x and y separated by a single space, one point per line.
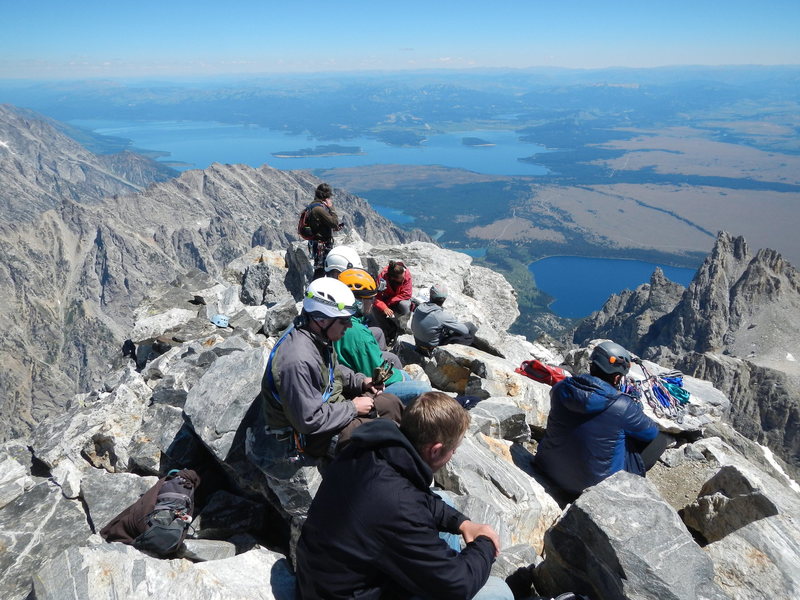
52 40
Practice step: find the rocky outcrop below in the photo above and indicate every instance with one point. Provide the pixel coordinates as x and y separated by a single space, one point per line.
630 315
91 247
714 519
736 325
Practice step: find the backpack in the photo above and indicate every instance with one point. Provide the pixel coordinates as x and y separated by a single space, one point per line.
538 371
304 230
166 526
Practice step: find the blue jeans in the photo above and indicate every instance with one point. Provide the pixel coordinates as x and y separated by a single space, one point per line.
408 389
494 588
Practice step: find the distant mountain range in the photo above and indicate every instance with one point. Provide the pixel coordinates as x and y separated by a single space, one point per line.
83 237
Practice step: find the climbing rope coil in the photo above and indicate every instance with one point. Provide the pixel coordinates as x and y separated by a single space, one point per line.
664 393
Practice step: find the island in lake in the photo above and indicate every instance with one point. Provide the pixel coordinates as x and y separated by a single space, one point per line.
474 141
326 150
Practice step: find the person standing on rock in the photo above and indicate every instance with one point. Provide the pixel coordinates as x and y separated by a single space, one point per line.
594 430
323 221
432 326
374 527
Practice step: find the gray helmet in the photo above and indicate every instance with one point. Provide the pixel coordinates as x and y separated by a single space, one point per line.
611 358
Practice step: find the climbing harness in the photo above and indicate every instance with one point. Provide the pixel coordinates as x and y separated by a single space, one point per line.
299 438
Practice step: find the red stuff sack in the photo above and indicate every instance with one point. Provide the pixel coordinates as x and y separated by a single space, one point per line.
538 371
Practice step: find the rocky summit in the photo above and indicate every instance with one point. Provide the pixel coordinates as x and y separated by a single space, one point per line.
83 240
105 249
716 518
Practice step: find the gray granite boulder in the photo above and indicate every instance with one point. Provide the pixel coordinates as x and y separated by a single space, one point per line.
759 560
119 571
491 489
160 426
217 404
96 432
500 418
108 494
750 516
466 370
620 540
15 471
35 527
205 550
280 316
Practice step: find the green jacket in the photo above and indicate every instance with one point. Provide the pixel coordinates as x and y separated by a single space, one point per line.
359 351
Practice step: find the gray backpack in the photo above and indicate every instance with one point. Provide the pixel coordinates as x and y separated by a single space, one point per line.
167 524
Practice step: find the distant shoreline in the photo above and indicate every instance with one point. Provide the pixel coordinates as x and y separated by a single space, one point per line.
600 257
296 155
320 151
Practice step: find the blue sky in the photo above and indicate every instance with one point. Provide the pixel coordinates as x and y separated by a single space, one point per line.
58 39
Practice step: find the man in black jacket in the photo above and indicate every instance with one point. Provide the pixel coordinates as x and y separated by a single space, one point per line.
373 528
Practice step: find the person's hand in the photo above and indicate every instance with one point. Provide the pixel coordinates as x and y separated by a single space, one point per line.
364 405
389 312
372 388
469 531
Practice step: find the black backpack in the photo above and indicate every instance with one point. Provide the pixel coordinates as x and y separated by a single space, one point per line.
167 525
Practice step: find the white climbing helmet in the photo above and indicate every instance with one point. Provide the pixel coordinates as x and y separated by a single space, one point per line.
328 297
342 258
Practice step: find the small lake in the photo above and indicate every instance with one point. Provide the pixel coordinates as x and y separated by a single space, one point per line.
200 143
395 215
582 285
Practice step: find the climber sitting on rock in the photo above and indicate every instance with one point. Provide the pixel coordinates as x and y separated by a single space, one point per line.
393 299
358 349
373 529
594 429
308 396
432 326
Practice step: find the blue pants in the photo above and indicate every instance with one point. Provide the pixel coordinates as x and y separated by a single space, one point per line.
494 588
408 389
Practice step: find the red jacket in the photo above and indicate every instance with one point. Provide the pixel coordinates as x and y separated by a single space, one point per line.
392 295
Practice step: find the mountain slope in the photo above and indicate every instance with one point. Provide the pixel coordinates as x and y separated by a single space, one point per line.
72 270
40 166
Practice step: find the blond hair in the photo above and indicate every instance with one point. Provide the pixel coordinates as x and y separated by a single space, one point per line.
434 417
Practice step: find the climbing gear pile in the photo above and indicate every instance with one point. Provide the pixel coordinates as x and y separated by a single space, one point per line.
664 393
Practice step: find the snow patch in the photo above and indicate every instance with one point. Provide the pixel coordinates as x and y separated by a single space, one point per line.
790 357
771 459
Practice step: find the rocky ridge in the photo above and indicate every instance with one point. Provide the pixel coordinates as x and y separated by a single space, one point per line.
40 167
716 519
81 244
735 325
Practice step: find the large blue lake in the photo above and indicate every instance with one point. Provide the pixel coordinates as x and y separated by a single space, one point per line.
198 144
581 285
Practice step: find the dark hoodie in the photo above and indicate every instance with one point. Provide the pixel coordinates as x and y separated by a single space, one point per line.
591 433
373 528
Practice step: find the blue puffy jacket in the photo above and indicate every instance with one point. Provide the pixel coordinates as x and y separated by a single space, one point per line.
591 434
